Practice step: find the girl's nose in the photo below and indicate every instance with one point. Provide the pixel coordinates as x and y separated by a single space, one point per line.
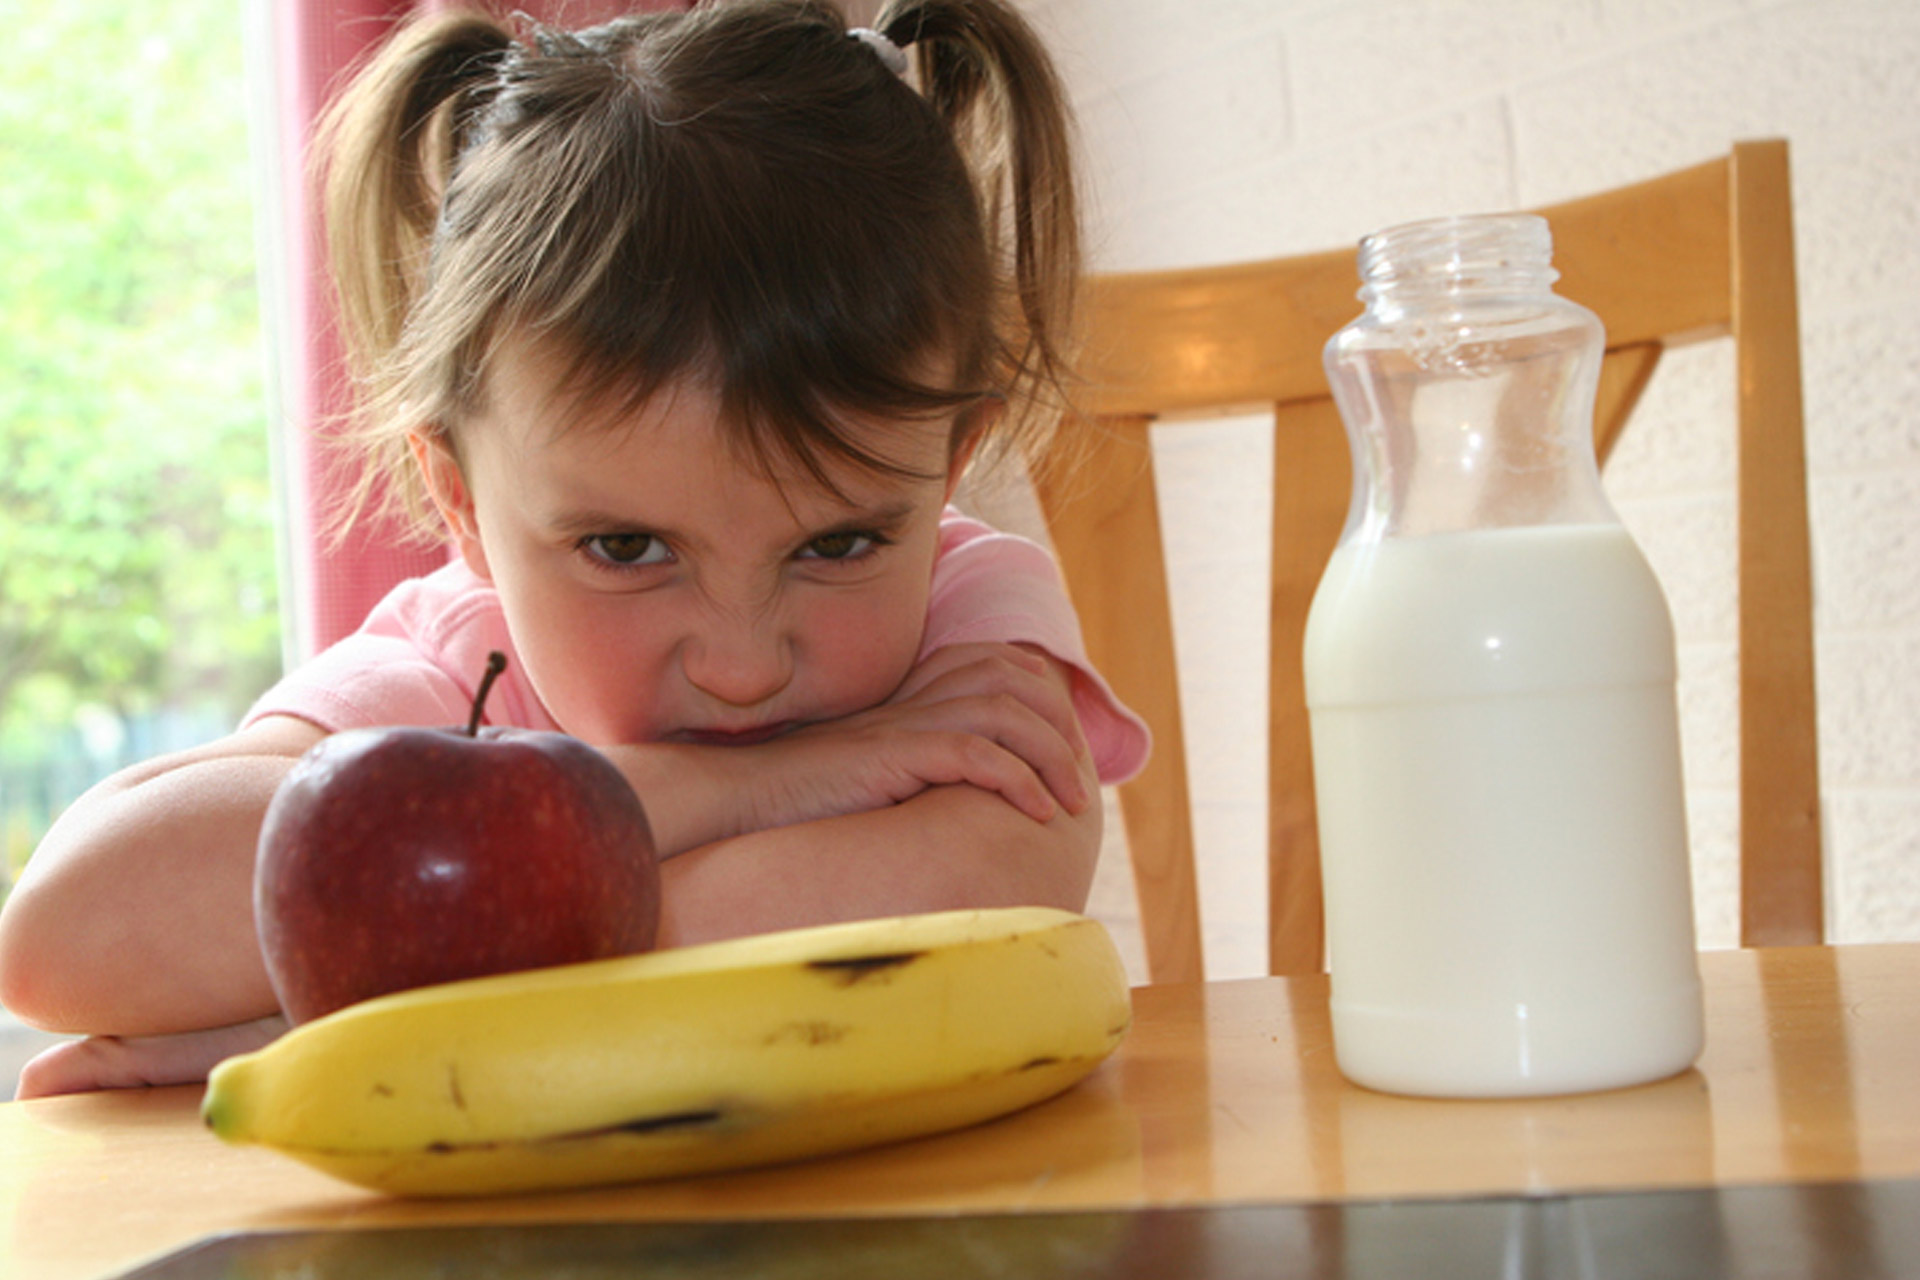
741 665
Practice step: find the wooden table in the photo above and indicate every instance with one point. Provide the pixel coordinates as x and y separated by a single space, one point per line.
1222 1094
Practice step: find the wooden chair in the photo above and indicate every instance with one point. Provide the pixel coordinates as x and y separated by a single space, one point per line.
1701 253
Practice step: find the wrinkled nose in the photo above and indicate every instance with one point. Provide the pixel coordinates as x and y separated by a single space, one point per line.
741 664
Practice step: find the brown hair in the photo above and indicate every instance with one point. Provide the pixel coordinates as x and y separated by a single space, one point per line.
741 191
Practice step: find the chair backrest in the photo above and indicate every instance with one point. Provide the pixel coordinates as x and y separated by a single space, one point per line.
1700 253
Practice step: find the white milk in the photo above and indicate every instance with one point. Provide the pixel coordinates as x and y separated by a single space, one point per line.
1497 768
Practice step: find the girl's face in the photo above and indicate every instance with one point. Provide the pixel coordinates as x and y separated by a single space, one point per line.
658 589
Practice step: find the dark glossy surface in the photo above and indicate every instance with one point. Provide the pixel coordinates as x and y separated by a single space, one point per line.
1829 1230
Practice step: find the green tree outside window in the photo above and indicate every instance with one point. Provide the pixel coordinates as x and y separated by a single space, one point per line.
137 561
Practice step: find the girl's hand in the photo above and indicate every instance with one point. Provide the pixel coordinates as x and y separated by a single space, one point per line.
993 716
132 1062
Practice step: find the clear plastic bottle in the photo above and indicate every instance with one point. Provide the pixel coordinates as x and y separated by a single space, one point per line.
1490 678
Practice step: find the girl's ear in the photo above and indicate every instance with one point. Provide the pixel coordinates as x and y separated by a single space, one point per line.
976 421
447 486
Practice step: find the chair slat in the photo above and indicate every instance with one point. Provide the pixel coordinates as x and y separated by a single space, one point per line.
1782 896
1312 486
1624 375
1103 516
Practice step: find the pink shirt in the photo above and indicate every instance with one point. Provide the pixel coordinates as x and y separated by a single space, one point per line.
418 656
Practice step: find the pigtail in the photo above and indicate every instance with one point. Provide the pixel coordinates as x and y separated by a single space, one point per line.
387 146
984 71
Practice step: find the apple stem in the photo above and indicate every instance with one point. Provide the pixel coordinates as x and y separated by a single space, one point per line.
496 663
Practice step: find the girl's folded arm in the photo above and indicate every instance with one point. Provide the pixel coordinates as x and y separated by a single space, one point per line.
135 914
972 787
947 847
997 718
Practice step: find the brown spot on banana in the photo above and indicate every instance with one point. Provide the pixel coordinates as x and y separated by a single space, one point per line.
674 1120
670 1121
852 969
809 1033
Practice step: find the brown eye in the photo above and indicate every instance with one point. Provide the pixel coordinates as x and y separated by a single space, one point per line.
625 549
840 546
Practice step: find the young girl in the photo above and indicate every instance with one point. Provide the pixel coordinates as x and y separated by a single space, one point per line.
683 330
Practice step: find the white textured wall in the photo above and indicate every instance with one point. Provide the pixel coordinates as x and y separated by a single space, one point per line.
1227 129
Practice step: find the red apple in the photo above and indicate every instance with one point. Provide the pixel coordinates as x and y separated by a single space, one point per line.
395 858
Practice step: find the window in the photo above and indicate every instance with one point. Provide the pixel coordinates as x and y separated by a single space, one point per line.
138 601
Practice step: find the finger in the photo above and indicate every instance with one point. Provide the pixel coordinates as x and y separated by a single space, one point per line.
982 660
1009 724
976 761
79 1066
949 659
1057 761
132 1062
974 671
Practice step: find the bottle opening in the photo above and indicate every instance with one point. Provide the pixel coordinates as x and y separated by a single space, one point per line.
1482 252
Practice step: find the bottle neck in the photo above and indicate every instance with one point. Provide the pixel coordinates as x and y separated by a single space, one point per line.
1467 387
1483 257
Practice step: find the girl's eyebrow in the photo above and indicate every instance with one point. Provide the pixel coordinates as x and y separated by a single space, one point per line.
884 516
585 521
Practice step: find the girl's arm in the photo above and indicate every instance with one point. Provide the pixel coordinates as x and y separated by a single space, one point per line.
995 717
934 848
134 921
948 847
135 914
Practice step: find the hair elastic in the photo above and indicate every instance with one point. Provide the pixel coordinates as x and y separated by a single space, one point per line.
891 55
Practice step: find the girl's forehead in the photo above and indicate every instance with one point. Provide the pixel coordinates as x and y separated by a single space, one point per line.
540 395
561 435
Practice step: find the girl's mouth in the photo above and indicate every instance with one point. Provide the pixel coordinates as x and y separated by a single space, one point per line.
732 737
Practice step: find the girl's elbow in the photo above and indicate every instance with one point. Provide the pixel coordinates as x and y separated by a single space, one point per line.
1076 855
1047 864
29 968
56 965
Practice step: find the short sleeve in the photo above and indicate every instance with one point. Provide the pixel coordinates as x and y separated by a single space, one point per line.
994 586
417 660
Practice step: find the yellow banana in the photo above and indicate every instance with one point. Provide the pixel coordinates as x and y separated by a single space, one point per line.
701 1058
